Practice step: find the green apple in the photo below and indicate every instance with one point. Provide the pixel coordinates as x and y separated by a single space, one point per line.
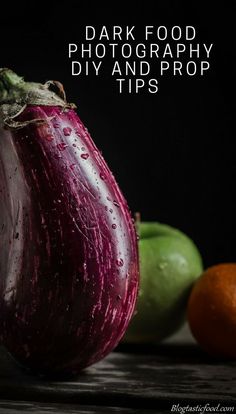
169 264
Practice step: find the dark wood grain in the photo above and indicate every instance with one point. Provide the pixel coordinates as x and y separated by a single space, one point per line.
131 380
13 407
170 375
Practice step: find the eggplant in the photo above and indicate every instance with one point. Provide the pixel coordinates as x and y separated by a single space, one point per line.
69 269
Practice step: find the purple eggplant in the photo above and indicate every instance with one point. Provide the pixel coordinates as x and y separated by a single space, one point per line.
68 251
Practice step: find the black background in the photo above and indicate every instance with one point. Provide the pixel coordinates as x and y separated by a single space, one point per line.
173 153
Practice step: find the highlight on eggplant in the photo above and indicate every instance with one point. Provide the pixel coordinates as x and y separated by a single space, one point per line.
69 269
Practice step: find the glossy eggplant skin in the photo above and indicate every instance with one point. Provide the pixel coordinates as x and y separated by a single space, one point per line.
68 254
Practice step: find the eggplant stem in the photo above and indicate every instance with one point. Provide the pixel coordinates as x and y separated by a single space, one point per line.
9 123
16 94
59 86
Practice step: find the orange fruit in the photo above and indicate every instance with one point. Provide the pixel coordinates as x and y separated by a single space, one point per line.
211 310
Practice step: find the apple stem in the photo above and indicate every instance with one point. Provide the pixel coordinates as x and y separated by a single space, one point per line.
137 217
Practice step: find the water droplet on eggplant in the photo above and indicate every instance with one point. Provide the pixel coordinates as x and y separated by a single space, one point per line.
102 176
67 131
85 156
62 146
49 137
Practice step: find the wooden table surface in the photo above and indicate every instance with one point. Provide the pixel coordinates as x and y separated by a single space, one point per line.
140 380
